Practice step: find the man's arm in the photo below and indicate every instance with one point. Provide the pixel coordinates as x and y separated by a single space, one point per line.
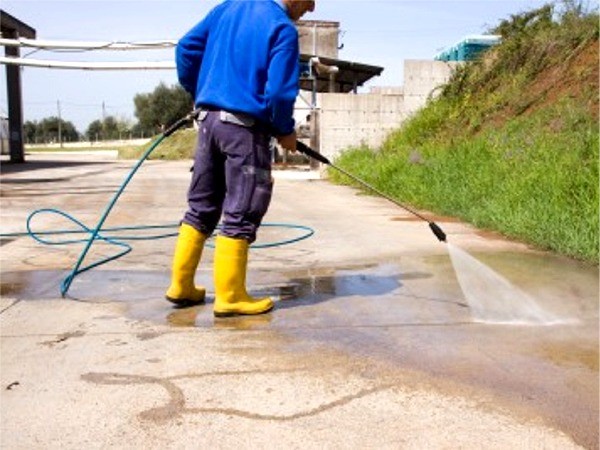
282 81
189 53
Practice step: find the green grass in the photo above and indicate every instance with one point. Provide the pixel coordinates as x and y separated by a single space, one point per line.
54 149
180 145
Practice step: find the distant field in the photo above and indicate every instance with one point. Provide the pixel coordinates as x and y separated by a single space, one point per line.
86 145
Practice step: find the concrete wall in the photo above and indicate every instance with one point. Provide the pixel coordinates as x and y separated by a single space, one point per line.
348 120
423 79
319 37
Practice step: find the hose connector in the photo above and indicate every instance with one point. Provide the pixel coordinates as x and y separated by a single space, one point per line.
181 122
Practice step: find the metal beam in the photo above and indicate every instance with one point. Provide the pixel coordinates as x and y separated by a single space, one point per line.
12 28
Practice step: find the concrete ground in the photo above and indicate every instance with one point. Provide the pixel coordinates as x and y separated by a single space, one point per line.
373 343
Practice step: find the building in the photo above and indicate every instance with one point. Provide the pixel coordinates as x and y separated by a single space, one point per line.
4 148
469 48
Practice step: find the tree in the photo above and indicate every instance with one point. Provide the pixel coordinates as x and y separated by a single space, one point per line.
138 131
94 131
161 108
50 129
30 132
110 128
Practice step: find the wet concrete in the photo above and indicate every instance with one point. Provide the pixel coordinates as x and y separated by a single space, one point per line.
408 313
387 319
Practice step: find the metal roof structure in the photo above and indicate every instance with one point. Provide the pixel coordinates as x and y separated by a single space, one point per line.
12 25
348 77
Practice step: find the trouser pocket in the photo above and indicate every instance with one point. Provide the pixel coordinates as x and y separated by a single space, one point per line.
261 190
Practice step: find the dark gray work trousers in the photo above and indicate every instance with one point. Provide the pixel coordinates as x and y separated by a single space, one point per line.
231 176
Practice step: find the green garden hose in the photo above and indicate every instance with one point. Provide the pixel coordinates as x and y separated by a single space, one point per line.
112 236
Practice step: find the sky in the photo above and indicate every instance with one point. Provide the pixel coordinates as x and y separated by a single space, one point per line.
382 33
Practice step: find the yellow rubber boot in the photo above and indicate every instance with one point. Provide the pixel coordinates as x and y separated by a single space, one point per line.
231 298
188 251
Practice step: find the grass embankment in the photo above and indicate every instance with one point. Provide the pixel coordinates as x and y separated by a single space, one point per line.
179 145
511 143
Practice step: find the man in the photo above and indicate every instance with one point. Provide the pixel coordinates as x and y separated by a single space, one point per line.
241 65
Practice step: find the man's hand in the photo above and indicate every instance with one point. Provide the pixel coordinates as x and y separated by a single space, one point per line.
288 142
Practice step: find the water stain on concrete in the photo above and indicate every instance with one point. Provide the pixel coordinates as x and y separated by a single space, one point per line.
63 338
571 354
176 405
10 288
409 313
6 240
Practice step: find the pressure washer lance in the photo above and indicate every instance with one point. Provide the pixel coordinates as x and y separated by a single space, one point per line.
303 148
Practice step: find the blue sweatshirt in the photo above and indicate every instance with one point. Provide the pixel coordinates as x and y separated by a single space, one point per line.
244 57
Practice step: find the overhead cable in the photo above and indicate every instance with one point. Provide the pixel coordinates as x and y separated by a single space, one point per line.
86 45
105 65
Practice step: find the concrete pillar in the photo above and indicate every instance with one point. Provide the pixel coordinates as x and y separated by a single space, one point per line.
315 143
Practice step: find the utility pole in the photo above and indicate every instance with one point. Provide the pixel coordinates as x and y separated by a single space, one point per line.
59 124
102 127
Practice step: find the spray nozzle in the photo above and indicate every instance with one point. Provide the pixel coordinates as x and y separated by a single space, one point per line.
439 233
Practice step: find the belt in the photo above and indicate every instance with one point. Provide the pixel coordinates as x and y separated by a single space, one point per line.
237 118
245 120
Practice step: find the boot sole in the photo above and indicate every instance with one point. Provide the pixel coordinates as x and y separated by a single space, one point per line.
184 302
236 313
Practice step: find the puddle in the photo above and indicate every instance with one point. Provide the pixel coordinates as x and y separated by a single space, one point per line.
369 295
143 291
414 291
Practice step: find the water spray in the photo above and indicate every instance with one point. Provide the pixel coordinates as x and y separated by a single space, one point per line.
508 305
435 228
